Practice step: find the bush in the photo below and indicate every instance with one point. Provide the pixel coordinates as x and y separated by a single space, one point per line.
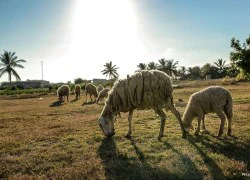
109 83
243 76
228 81
13 88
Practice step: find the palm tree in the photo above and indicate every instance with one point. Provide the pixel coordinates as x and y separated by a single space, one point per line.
152 65
110 70
9 61
220 64
194 72
141 66
182 71
163 65
172 67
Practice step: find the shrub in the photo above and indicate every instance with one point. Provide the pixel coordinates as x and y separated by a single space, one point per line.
242 76
228 81
13 88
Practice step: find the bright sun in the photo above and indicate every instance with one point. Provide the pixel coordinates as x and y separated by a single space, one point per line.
104 31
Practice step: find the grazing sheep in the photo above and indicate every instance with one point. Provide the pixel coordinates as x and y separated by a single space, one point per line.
78 91
91 90
99 88
64 90
102 94
212 99
143 90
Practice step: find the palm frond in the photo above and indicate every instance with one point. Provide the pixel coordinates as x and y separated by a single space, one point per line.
16 75
18 65
2 72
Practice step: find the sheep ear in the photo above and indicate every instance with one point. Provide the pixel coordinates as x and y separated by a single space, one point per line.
192 127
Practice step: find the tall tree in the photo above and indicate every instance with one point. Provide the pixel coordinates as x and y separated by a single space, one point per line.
182 71
78 80
220 64
172 67
209 69
8 62
241 54
110 70
194 72
232 70
141 66
152 65
163 65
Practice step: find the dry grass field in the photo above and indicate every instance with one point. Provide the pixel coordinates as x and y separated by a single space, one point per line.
43 139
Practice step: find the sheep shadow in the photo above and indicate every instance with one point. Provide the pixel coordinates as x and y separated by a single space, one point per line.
191 171
214 169
231 148
56 104
118 165
88 103
74 100
101 103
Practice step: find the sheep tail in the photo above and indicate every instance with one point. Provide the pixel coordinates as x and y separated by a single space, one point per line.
228 109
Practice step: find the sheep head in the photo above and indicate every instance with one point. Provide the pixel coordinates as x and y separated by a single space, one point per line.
187 124
60 98
106 122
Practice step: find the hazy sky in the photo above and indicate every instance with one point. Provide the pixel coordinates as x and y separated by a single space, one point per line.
75 38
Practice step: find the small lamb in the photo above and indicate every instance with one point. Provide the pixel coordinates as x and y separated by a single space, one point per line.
102 94
212 99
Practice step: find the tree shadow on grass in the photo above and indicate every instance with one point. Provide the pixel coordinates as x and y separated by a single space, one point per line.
56 104
120 166
232 148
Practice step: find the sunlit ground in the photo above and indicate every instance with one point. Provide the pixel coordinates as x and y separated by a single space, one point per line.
40 138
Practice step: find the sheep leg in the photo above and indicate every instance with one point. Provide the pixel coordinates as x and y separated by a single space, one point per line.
222 117
229 126
204 130
178 117
199 125
162 116
86 97
229 123
130 114
203 123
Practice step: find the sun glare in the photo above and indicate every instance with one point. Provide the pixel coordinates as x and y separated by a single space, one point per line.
104 31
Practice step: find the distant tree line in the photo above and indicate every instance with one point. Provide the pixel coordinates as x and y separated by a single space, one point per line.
217 69
239 66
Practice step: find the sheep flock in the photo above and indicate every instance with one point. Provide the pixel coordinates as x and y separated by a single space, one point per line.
153 89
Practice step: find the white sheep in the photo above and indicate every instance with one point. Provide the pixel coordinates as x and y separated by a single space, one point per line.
212 99
99 88
63 91
143 90
102 94
91 90
78 91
